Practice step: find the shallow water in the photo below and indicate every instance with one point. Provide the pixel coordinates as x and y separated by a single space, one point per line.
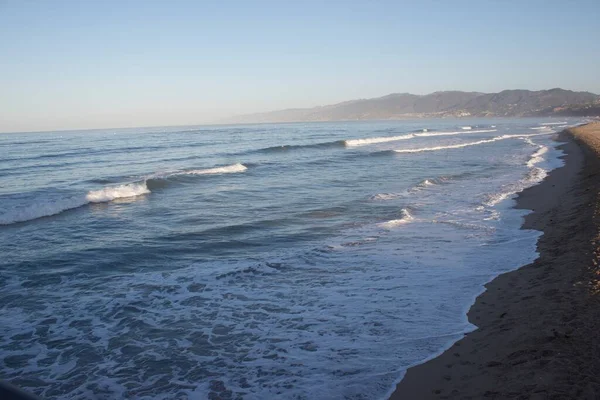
308 261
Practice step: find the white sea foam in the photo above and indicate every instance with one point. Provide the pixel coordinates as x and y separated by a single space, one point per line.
426 183
45 207
385 196
386 139
116 192
537 157
229 169
533 177
454 133
461 145
429 183
375 140
555 123
406 218
466 128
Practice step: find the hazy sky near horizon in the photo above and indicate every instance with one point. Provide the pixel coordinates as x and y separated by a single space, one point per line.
93 64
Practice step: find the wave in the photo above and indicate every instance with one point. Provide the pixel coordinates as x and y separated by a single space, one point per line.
533 177
385 196
461 145
537 157
424 133
467 128
375 140
424 184
406 217
229 169
555 123
47 206
431 182
420 186
162 179
454 133
290 147
466 225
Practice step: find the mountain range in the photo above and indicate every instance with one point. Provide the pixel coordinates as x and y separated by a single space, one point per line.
508 103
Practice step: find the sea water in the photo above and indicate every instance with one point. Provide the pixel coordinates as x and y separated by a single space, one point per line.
297 261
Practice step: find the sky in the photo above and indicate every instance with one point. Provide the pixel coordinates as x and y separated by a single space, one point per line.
101 64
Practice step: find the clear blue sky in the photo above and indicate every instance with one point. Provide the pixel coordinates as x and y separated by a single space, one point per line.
86 64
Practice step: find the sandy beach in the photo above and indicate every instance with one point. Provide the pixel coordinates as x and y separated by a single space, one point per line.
537 326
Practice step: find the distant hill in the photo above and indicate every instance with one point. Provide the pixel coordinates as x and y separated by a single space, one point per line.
508 103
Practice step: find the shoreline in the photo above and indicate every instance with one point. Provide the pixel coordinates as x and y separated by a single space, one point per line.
536 324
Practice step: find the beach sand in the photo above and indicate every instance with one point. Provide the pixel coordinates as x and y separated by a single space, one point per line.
538 326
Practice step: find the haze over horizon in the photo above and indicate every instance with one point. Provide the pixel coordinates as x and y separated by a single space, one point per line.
72 65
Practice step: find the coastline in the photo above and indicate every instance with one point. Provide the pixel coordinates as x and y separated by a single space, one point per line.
535 325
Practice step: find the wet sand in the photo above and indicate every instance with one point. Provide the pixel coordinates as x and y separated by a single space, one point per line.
538 326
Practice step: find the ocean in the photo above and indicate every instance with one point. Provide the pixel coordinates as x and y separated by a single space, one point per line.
289 261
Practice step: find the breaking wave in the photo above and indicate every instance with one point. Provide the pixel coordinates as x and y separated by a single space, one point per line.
405 218
385 139
533 177
385 196
461 145
537 157
229 169
46 207
290 147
